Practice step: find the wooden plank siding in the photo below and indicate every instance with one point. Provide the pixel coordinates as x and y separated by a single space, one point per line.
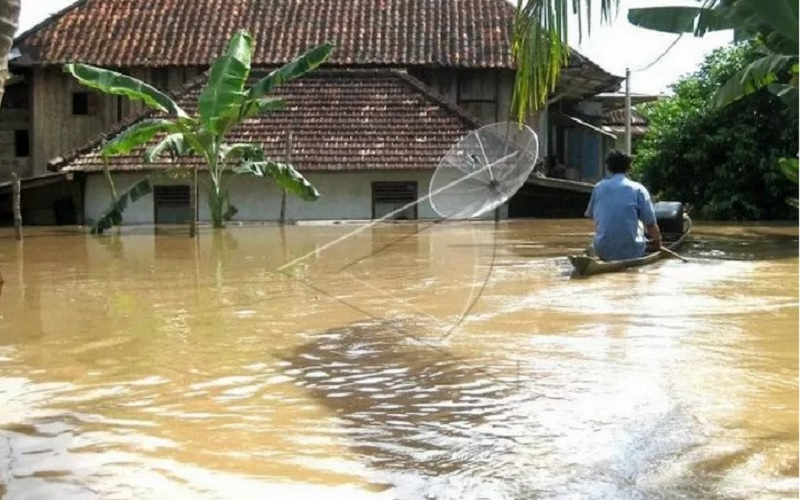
57 131
484 93
14 117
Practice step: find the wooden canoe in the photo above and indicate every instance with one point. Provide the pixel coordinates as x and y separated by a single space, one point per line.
587 265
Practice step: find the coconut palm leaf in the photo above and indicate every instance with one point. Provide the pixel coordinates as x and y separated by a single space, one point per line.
540 47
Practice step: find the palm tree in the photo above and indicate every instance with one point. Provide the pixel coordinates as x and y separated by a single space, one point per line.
540 46
9 19
541 28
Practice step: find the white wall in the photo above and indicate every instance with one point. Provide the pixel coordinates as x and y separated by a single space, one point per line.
344 196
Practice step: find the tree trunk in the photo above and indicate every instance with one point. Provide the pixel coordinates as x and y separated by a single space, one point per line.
193 197
9 19
283 191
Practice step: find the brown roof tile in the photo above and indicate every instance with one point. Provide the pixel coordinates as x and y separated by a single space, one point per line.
339 119
120 33
617 117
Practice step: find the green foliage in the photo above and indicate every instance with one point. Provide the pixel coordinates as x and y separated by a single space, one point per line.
789 167
111 82
773 24
724 161
539 46
113 214
223 104
284 175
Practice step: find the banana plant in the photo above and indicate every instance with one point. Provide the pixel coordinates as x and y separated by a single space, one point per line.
224 103
772 24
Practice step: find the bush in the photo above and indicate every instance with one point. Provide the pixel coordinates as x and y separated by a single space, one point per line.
722 161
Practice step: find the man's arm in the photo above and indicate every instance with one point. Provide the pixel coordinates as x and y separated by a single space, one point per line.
590 207
654 235
647 214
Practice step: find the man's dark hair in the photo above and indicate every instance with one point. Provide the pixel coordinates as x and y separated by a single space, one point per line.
618 162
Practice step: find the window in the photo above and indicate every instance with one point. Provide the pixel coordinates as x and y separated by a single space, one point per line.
22 144
80 103
388 197
160 78
172 204
16 97
477 94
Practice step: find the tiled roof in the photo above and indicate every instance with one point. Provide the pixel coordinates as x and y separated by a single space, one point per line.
614 122
339 119
617 117
121 33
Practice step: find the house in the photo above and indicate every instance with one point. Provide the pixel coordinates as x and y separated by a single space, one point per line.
610 107
614 123
454 54
366 138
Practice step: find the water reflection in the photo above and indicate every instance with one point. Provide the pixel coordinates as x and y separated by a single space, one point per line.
150 365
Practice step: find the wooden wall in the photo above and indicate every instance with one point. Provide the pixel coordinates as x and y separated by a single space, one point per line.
56 131
14 116
484 93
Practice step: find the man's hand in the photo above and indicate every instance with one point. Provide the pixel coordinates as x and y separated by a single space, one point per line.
654 234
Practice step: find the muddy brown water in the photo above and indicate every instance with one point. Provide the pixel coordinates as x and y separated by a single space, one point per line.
453 361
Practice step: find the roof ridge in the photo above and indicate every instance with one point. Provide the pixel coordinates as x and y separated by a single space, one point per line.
438 98
52 18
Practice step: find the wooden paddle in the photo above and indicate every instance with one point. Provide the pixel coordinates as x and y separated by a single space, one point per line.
667 250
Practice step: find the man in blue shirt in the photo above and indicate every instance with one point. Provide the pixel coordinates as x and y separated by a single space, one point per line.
617 206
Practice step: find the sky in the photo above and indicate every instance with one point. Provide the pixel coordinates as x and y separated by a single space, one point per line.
613 46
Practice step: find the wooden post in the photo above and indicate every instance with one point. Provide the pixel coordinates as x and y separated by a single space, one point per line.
283 191
16 205
193 204
627 111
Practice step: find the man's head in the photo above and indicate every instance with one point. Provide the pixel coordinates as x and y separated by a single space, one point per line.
618 162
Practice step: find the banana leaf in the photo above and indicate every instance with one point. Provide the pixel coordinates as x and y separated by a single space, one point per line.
137 135
666 19
113 214
292 70
284 175
755 76
223 94
111 82
789 168
780 15
787 93
255 107
245 152
174 144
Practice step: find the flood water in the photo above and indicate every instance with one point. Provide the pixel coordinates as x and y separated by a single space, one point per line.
410 361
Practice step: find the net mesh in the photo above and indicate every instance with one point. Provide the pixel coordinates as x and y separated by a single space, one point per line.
483 170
